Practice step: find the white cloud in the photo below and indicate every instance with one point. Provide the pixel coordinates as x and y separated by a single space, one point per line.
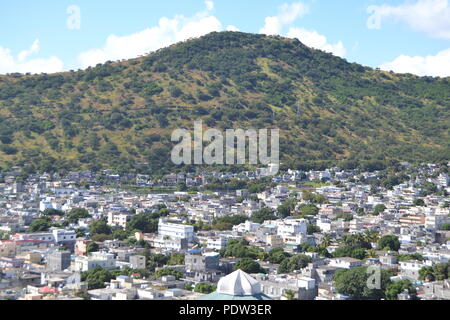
209 5
315 40
11 64
429 16
167 32
436 66
287 13
232 28
33 49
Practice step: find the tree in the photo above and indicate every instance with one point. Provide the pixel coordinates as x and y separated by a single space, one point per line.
350 251
371 236
249 265
311 229
419 203
146 222
345 216
286 208
39 225
241 250
289 294
204 288
168 271
277 255
181 186
326 241
395 288
353 282
262 215
293 263
92 247
308 210
389 242
97 277
378 209
441 271
188 286
101 237
120 234
78 213
411 256
357 240
227 222
52 212
314 198
427 274
176 259
156 260
99 227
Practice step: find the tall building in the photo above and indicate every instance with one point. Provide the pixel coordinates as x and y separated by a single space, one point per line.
58 260
175 230
137 262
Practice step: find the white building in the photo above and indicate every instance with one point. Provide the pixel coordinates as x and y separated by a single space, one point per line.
443 180
175 230
411 268
100 259
167 243
61 235
118 219
436 221
216 243
247 226
49 203
324 224
57 235
345 262
306 282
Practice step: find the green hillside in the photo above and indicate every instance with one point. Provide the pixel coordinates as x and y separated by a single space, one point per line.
120 115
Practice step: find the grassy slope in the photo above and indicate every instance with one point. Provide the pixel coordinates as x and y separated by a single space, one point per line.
120 114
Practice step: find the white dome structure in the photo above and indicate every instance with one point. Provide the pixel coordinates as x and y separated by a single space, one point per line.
239 283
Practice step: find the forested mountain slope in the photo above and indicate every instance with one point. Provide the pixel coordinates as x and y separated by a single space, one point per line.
120 115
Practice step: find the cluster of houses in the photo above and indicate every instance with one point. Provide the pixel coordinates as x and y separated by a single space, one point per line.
49 264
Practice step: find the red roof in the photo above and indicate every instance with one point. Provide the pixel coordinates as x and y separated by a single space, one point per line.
48 290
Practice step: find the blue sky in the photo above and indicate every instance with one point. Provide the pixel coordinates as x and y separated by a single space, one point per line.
51 36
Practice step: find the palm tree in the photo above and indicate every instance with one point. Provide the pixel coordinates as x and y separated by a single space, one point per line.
372 253
372 236
326 240
353 240
289 294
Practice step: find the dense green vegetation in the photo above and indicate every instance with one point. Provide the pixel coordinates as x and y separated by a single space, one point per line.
204 288
227 222
353 282
440 271
293 263
41 224
249 265
395 288
146 222
120 115
241 249
262 215
389 242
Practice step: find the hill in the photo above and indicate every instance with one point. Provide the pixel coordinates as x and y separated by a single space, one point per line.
120 115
